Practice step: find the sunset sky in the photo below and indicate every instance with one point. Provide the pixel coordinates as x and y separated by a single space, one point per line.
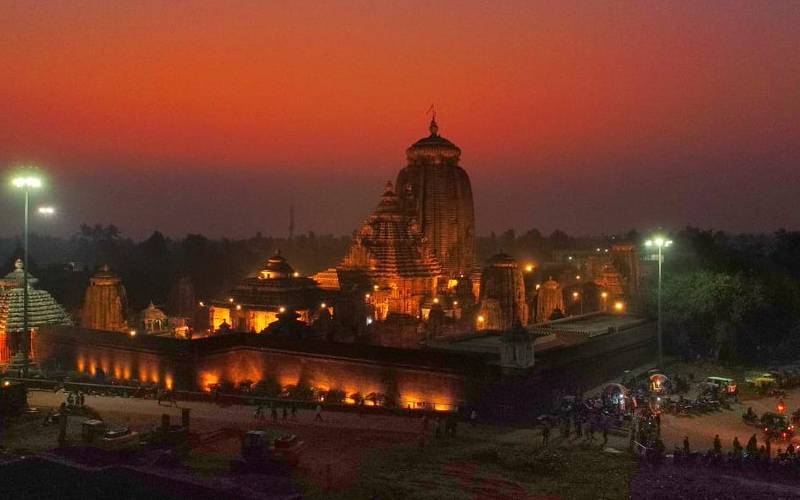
215 117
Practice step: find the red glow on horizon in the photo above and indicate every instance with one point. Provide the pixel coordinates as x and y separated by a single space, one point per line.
562 92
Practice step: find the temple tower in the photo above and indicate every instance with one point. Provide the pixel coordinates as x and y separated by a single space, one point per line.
105 302
392 258
550 298
438 192
502 295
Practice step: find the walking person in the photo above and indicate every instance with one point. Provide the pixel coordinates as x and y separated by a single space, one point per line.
318 414
473 417
717 445
546 435
686 445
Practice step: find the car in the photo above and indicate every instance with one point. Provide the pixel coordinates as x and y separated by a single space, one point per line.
777 425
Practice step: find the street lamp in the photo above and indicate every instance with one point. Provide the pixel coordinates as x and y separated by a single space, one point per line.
660 243
604 296
26 183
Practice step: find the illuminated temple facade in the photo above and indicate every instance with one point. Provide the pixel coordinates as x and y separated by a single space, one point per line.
390 258
43 310
438 192
105 303
258 300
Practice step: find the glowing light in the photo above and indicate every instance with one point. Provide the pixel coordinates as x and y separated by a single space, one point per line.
282 309
538 286
28 181
658 242
619 306
369 320
296 274
46 210
238 307
375 287
366 295
455 302
323 305
132 333
481 319
436 300
569 258
6 383
202 304
575 295
604 295
529 268
578 276
230 299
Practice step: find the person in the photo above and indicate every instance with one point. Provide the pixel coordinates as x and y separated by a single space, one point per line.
752 446
546 434
294 411
717 445
82 398
318 413
790 450
473 417
769 448
737 448
259 410
590 431
437 427
686 450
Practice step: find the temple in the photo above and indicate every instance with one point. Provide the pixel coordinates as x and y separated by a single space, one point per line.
390 256
258 299
105 303
438 192
502 295
43 310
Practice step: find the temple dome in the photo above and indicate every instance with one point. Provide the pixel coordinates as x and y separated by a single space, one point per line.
276 267
433 149
15 278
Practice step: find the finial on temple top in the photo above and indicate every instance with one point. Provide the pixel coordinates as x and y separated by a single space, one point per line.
434 128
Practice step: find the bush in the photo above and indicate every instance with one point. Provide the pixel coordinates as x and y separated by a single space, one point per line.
268 387
335 396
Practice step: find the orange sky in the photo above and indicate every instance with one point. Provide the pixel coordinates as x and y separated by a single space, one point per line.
588 116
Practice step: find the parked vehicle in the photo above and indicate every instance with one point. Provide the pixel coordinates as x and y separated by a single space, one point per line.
776 425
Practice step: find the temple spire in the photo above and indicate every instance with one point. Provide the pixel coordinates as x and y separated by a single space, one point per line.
434 127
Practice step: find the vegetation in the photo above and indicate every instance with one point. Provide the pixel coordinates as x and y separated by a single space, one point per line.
483 461
735 299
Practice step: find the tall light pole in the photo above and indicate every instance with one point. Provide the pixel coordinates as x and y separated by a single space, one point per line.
26 183
660 243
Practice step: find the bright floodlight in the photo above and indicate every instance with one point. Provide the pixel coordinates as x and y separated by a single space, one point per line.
27 181
658 242
46 210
